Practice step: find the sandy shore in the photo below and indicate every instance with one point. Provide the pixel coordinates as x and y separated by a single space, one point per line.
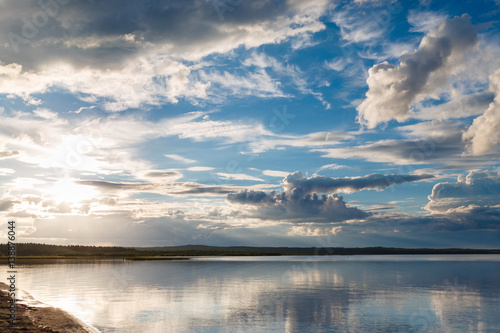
38 318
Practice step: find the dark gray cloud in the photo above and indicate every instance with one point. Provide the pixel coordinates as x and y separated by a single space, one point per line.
251 197
8 154
105 185
470 204
6 205
178 188
203 189
308 208
298 185
152 50
426 143
104 34
302 199
162 174
472 218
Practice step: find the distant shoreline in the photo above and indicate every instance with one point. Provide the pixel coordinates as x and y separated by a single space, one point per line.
55 259
26 251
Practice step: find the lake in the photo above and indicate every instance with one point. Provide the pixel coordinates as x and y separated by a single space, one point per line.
390 293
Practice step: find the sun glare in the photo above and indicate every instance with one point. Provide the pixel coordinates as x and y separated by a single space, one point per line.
65 190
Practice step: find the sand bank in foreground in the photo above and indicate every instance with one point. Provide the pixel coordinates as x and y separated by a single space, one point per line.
38 319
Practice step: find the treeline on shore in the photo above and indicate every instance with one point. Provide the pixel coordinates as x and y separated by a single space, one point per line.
47 250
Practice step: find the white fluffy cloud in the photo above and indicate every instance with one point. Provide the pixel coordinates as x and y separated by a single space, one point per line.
394 89
484 134
313 231
477 189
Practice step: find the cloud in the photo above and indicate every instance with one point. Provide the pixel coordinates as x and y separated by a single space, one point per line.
456 209
125 54
358 26
423 143
205 129
196 189
258 84
460 106
337 64
6 205
119 228
275 173
149 80
483 135
473 217
6 171
468 205
250 197
179 158
308 231
161 174
8 154
331 167
392 89
425 21
238 176
477 189
297 184
288 73
300 202
84 144
283 206
200 168
435 226
315 139
156 175
109 144
177 188
185 29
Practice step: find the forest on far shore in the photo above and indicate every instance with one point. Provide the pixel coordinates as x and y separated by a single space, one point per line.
65 251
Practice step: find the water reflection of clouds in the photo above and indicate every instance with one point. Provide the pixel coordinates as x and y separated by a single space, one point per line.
294 296
453 308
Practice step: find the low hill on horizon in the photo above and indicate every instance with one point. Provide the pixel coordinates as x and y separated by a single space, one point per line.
325 250
34 249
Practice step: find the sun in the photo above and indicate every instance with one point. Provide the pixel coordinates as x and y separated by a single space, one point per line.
66 190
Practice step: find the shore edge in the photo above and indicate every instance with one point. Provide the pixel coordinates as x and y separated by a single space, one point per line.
43 318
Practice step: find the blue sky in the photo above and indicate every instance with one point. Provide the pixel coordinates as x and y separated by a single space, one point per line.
261 123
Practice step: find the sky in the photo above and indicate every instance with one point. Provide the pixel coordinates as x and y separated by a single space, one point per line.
259 123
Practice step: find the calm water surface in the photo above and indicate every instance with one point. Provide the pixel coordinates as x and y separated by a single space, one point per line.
452 293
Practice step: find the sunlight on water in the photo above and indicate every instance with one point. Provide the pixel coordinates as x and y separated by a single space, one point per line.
282 294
